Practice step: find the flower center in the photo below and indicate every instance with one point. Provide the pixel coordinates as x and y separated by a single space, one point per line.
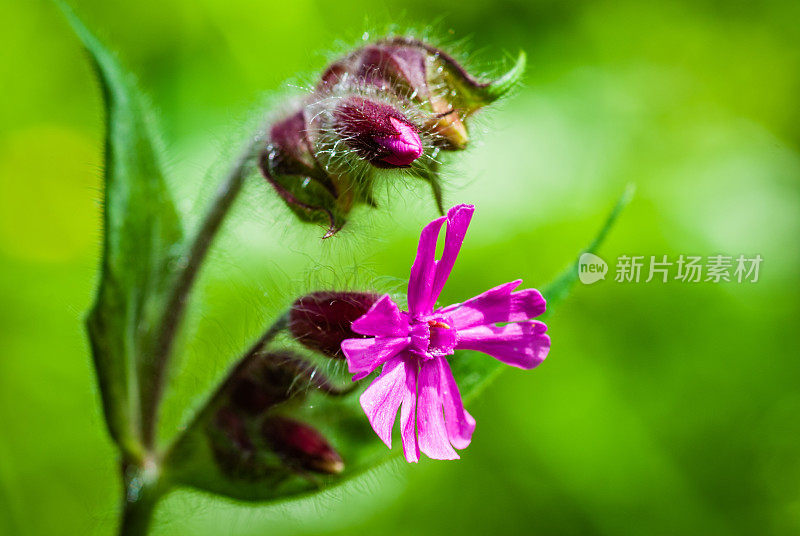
432 338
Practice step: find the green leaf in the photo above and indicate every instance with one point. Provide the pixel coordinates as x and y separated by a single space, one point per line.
230 447
142 237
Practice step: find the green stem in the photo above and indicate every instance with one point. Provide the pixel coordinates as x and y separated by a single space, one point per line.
178 298
142 490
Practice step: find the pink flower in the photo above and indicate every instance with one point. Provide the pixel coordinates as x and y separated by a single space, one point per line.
413 347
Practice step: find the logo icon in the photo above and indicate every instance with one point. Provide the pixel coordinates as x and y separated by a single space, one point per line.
591 268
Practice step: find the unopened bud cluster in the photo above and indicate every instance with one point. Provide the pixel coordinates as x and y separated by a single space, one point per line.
393 104
251 432
250 436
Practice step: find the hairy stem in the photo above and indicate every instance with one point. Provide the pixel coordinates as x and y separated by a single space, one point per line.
178 298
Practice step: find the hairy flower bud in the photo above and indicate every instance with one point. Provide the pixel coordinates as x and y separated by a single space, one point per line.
395 103
322 320
377 132
301 446
232 425
272 378
247 404
426 75
294 154
290 165
232 448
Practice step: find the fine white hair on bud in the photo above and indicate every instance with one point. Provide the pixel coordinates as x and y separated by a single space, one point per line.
394 104
338 129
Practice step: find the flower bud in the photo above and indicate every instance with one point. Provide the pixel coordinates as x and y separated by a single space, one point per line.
232 426
322 320
272 378
377 132
321 167
301 446
233 450
249 397
289 164
391 104
427 75
293 153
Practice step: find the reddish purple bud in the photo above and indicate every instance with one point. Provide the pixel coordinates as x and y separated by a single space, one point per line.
254 397
378 132
272 378
234 452
387 103
262 382
293 153
427 75
232 426
301 446
322 320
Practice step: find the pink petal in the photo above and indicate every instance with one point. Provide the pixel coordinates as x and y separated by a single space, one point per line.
458 219
499 304
408 421
383 397
460 424
428 275
365 355
423 270
522 345
383 319
433 439
405 146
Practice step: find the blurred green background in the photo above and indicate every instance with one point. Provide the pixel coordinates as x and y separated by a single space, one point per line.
662 409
